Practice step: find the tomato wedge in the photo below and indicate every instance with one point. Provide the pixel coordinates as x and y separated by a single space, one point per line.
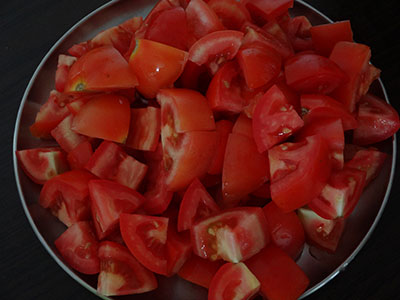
65 136
231 13
64 64
223 128
266 10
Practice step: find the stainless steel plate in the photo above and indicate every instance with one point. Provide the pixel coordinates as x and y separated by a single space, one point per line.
319 266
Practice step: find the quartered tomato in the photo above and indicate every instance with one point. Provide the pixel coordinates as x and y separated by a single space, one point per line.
67 138
80 155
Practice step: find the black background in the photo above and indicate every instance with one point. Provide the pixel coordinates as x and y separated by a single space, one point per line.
29 29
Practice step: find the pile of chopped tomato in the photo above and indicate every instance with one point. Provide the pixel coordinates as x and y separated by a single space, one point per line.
210 140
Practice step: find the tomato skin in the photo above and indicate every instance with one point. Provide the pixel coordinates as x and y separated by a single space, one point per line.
78 246
42 164
105 116
244 170
377 121
285 229
80 155
233 235
274 119
223 128
311 73
196 204
326 36
156 66
233 281
118 265
274 269
293 166
146 237
67 196
199 271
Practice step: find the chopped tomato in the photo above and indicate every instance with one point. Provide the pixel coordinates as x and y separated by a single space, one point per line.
311 73
80 155
274 119
146 238
108 200
156 66
196 205
233 281
121 273
64 64
67 196
223 128
179 249
231 13
377 121
293 166
105 116
65 136
298 30
275 270
78 246
194 77
285 229
244 170
232 235
244 126
266 10
42 164
130 172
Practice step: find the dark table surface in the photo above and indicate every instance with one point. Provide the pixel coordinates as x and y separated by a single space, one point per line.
30 28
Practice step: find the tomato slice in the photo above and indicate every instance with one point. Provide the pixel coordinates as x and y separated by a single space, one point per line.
311 73
130 172
65 136
233 281
78 247
199 271
244 170
105 116
231 13
42 164
377 121
179 249
64 64
244 126
275 270
67 196
156 66
100 69
267 10
321 233
293 166
80 155
196 204
146 238
233 235
274 119
121 273
321 106
223 128
108 200
285 229
326 36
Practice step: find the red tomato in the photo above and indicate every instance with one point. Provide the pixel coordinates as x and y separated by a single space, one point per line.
273 28
65 136
223 128
233 281
353 59
42 164
108 200
341 194
194 77
196 205
244 126
202 20
179 249
267 10
78 247
320 232
279 275
326 36
320 106
224 92
293 166
244 170
233 235
156 66
67 196
231 13
311 73
145 128
199 271
100 69
105 116
368 160
146 238
260 64
80 155
50 115
130 172
121 273
377 121
285 229
274 119
64 64
298 30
